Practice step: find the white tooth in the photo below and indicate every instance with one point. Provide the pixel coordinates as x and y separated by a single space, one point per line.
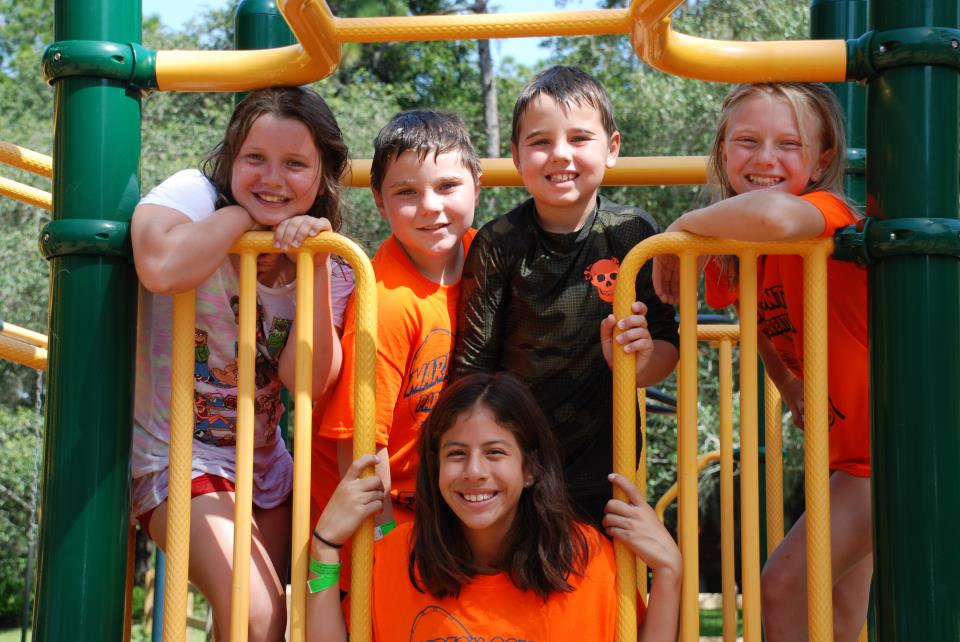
270 198
477 498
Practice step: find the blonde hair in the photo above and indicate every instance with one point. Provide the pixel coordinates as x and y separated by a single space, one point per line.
812 103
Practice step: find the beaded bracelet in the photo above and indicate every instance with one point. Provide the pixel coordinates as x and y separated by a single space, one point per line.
327 575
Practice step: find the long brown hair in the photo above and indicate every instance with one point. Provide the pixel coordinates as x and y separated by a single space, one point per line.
291 103
544 545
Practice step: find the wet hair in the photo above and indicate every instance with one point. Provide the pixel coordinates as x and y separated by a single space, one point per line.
290 103
818 114
544 544
567 86
422 131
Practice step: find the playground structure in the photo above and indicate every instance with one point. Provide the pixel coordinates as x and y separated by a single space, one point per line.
909 61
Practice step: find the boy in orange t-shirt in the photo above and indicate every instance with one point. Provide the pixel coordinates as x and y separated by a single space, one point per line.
425 180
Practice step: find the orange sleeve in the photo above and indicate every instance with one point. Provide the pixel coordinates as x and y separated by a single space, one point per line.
836 213
718 291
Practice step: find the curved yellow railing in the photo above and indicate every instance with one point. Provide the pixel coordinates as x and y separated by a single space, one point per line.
321 34
31 161
667 498
23 352
181 437
819 588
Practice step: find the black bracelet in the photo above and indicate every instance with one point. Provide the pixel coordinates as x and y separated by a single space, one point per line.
325 541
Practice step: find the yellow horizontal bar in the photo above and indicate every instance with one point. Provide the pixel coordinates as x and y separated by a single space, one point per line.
23 334
596 22
731 61
718 332
26 194
26 159
640 170
23 353
238 70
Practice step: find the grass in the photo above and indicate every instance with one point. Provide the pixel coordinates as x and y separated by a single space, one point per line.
711 622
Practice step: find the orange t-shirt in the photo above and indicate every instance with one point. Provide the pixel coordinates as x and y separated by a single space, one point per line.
847 360
490 607
415 334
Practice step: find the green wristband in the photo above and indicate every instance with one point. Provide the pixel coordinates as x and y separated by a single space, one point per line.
383 529
327 575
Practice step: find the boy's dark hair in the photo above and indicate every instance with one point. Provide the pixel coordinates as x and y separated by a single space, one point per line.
568 86
290 103
422 131
544 545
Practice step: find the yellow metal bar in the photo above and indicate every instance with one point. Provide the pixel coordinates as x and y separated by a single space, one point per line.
246 355
670 495
181 468
816 446
641 482
314 26
303 413
624 453
13 349
640 170
661 47
687 509
23 334
596 22
718 332
749 443
26 159
728 577
26 194
237 70
773 442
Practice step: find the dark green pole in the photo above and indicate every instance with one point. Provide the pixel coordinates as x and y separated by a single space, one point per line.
93 294
912 133
845 19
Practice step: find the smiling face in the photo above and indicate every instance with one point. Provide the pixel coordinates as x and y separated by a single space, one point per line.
763 147
482 476
562 155
276 173
429 205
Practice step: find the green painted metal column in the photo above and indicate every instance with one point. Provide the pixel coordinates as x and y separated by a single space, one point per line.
845 19
85 501
912 143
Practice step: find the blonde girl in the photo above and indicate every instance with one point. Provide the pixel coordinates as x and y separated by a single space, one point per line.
778 158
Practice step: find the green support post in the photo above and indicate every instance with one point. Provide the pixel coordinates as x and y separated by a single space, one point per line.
912 134
845 19
93 294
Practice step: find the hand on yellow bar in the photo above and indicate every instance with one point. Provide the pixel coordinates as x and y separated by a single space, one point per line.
355 499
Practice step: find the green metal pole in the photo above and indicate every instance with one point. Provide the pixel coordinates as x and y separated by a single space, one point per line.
85 500
845 19
912 133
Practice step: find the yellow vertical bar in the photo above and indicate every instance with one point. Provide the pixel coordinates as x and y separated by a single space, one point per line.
687 451
816 446
727 558
246 357
773 440
364 394
749 468
624 452
303 403
641 482
181 468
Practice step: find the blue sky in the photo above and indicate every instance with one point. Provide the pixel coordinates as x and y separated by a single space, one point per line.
175 13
